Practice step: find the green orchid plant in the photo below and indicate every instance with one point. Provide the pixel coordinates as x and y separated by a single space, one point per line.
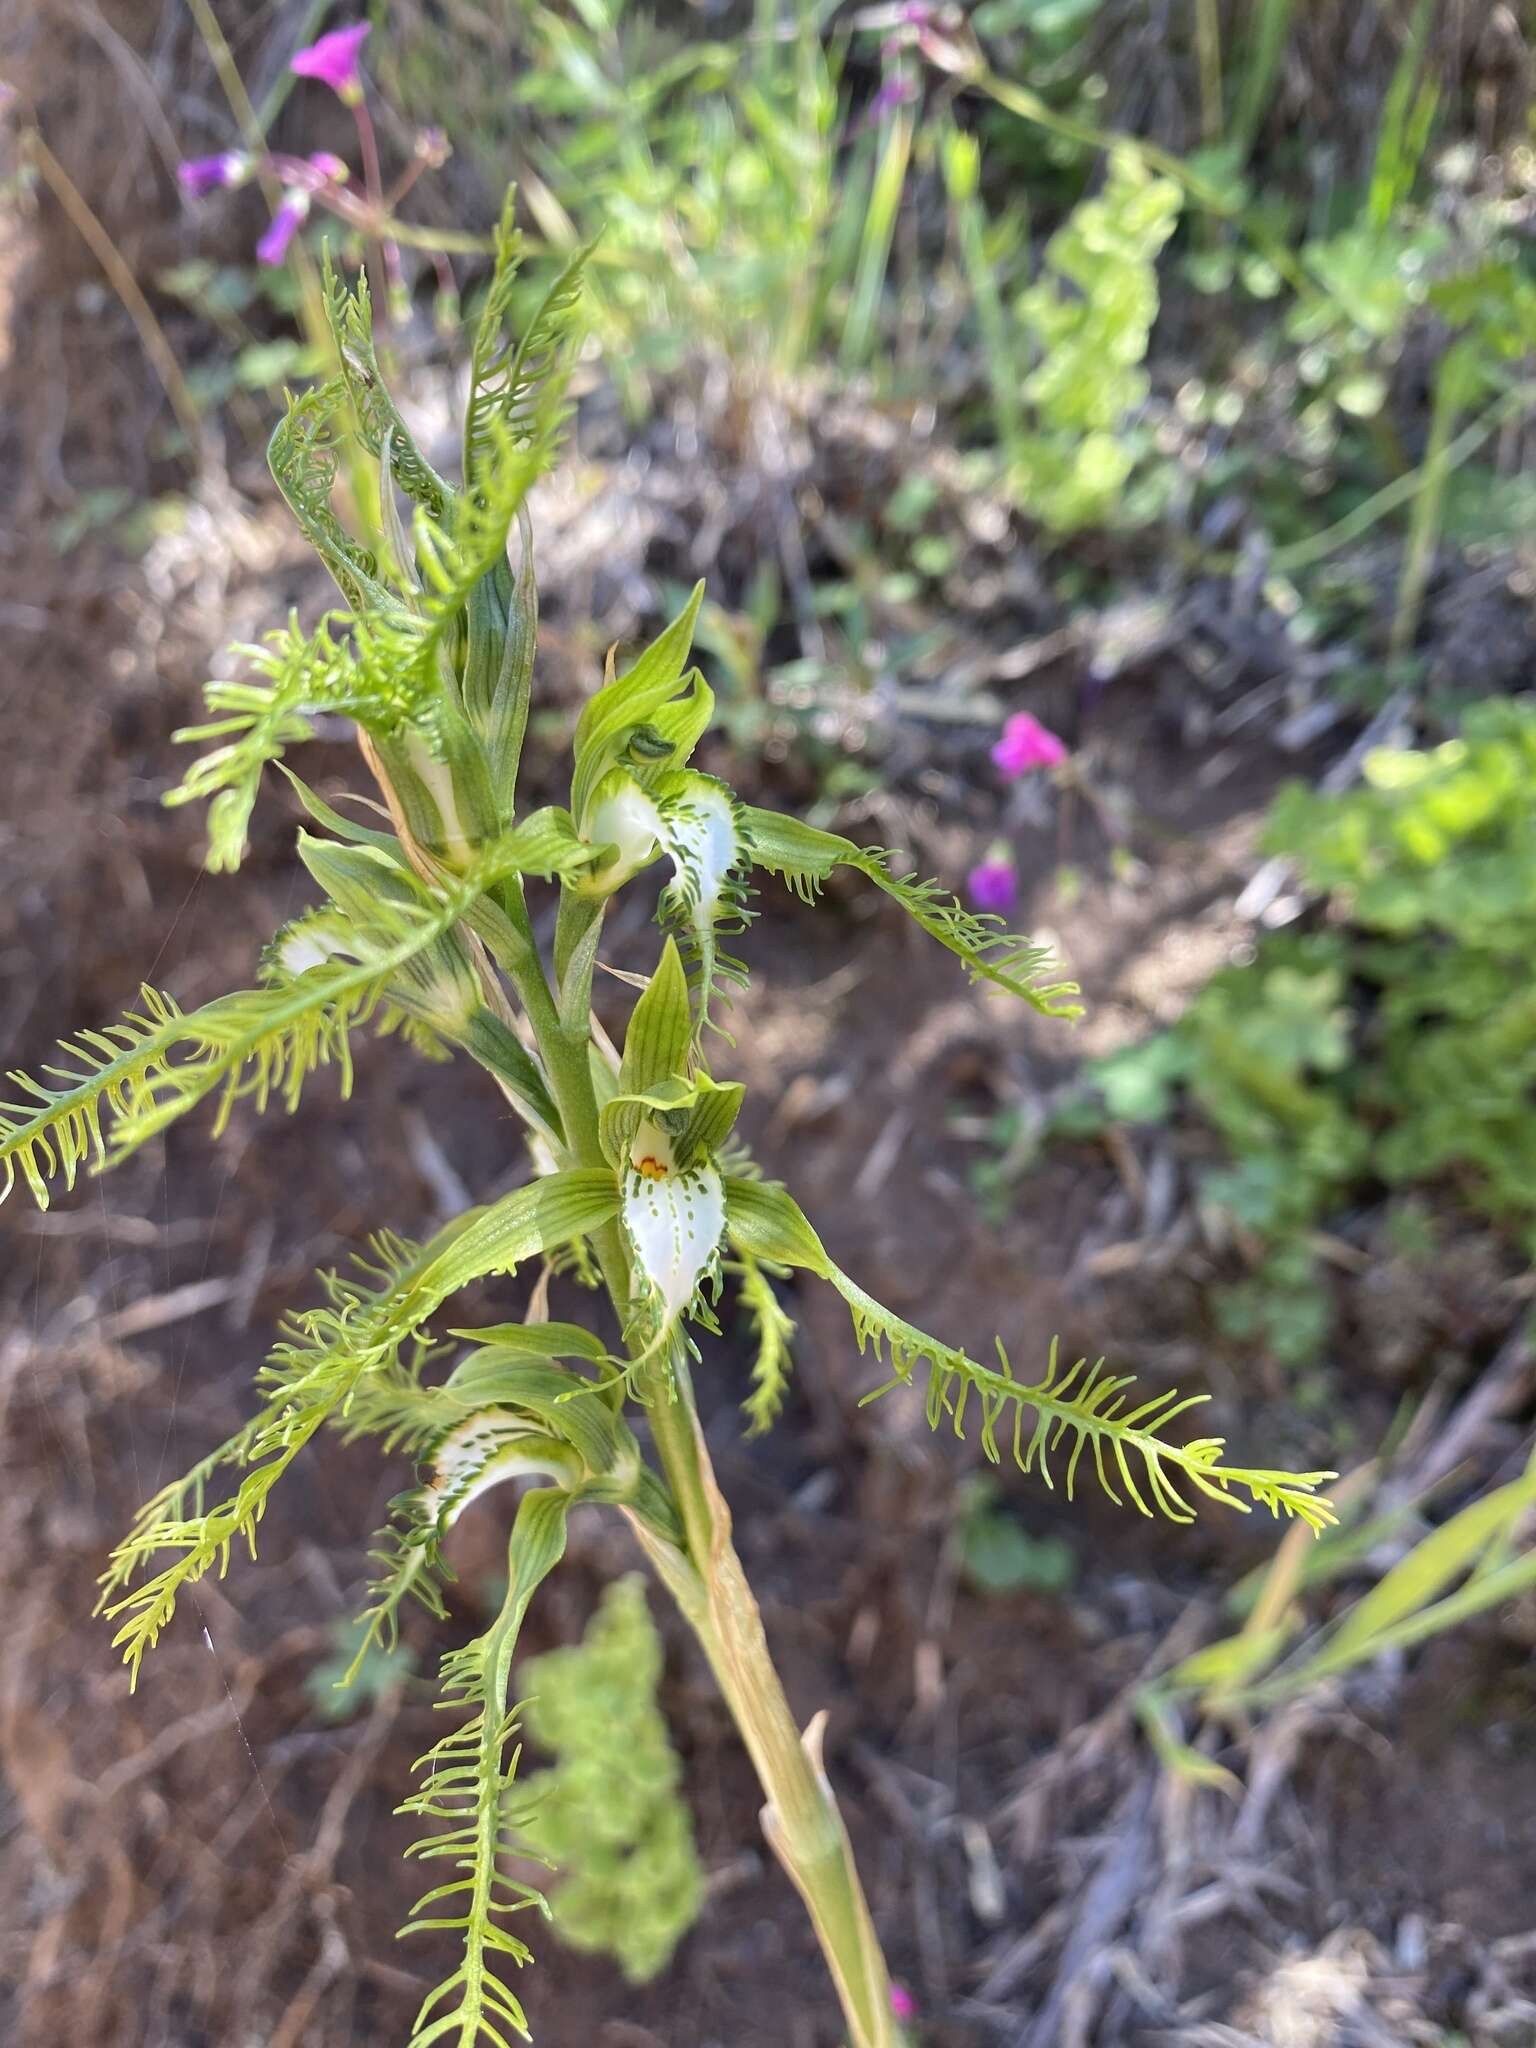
637 1185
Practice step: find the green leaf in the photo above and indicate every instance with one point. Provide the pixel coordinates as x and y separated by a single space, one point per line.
410 652
1159 1718
379 426
343 827
1137 1082
609 1815
538 1340
56 1131
255 722
1457 1546
511 383
1223 1668
1000 1557
318 1369
304 455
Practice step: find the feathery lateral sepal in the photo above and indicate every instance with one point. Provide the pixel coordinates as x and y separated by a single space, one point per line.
467 1777
1079 1406
317 1370
390 941
805 857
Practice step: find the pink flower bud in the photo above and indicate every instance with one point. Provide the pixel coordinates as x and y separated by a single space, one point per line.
903 2004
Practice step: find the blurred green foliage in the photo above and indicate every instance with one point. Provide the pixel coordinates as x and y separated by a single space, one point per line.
1392 1047
609 1814
997 1553
1068 431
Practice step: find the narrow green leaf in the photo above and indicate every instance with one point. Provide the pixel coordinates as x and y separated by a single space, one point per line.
1430 1566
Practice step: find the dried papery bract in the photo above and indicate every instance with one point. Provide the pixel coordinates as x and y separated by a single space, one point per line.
639 1186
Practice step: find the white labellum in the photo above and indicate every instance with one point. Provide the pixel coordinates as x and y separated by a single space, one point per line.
699 832
310 943
479 1453
674 1219
623 817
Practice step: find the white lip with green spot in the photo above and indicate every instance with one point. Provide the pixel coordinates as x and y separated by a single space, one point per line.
480 1453
674 1218
700 832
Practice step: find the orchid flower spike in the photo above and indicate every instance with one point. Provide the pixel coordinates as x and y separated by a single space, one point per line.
333 59
1026 744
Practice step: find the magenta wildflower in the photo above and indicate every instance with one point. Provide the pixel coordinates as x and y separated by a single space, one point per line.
903 2004
333 60
1027 744
331 168
201 175
286 222
992 884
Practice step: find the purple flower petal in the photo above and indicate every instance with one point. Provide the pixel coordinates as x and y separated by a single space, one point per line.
993 885
333 60
894 92
1027 744
200 175
903 2004
285 224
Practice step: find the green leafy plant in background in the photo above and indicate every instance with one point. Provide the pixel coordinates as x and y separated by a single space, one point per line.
637 1183
1000 1557
609 1816
1394 1046
1067 429
1437 1577
743 210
